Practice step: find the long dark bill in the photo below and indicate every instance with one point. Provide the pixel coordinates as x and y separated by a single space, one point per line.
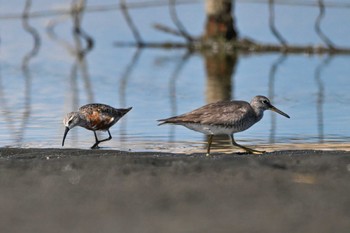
65 134
278 111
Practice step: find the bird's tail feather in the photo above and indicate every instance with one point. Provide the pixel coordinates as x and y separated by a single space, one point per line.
124 111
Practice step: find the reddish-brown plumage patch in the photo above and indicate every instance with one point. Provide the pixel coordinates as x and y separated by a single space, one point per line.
98 121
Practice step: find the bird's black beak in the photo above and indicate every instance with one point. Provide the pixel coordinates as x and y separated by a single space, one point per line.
273 108
65 134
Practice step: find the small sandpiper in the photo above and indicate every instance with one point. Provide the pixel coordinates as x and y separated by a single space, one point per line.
94 117
225 118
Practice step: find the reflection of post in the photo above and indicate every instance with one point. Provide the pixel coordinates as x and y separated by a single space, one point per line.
220 68
220 23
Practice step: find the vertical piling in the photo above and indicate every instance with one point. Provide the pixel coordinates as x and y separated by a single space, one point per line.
219 23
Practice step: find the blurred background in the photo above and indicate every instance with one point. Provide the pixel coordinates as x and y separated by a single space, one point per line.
164 58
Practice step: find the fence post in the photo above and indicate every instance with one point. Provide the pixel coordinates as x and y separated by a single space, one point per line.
219 23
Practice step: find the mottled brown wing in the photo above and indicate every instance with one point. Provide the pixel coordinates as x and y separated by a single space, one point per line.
98 116
213 114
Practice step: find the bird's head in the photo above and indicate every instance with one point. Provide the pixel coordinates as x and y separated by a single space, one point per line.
262 103
70 121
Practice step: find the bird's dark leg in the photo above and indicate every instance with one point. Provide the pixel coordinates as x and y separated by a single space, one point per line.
95 146
250 151
109 137
210 140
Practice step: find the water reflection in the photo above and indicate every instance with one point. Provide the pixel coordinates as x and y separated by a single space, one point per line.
271 95
220 69
272 24
77 50
10 115
321 97
26 71
123 87
172 90
318 30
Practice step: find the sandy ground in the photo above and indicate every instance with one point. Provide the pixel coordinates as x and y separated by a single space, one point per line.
68 190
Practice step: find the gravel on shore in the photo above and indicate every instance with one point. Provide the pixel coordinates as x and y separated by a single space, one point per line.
72 190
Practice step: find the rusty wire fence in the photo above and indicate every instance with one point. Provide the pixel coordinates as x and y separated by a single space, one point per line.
77 9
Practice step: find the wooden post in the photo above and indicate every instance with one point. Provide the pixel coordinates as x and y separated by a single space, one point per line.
220 23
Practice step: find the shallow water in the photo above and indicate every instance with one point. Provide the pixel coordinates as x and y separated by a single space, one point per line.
313 90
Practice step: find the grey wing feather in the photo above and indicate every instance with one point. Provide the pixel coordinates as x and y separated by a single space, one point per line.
223 114
219 113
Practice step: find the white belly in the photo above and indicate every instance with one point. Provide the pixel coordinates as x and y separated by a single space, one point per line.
211 129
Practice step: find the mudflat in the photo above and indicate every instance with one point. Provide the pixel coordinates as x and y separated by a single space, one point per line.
72 190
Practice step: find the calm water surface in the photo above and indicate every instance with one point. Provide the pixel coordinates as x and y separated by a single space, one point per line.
313 90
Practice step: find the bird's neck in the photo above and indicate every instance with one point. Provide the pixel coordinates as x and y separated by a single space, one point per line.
82 120
259 113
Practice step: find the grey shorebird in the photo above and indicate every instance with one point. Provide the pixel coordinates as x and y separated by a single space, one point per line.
94 117
225 118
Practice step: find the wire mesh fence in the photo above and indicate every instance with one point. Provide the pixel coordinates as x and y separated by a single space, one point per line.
194 42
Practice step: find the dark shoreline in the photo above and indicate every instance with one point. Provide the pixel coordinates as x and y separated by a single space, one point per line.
72 190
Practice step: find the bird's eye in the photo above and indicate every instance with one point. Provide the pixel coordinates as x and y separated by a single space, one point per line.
265 101
70 121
